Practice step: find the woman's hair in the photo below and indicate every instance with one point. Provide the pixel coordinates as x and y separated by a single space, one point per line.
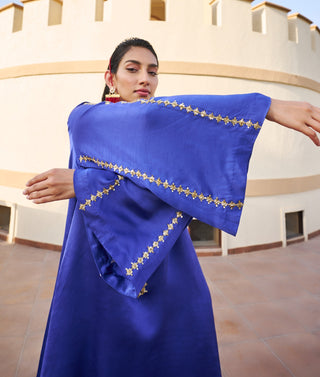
119 53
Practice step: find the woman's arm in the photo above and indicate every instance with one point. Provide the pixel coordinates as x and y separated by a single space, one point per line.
52 185
57 184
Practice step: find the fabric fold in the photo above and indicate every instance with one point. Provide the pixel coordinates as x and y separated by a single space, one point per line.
130 230
192 152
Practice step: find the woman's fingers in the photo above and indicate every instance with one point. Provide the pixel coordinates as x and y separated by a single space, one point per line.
37 194
54 184
37 187
299 116
44 199
308 131
37 178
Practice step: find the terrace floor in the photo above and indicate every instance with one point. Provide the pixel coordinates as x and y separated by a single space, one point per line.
266 306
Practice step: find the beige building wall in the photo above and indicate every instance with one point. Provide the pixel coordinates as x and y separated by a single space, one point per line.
55 58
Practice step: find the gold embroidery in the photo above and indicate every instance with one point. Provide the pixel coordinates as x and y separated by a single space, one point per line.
204 114
165 184
99 194
155 245
143 290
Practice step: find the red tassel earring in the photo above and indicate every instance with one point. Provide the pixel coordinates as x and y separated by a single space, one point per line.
112 96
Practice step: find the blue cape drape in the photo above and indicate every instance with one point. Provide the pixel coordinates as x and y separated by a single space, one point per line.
190 152
130 298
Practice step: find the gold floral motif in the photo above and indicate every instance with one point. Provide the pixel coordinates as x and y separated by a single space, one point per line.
155 245
204 114
201 197
99 194
143 290
165 184
158 182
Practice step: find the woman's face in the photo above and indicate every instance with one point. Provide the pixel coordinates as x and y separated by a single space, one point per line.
136 77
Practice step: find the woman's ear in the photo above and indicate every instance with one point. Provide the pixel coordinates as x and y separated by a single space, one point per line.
108 77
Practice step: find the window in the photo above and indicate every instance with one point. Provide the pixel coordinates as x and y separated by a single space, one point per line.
292 30
17 18
158 10
259 21
55 12
215 13
294 224
100 8
5 214
203 234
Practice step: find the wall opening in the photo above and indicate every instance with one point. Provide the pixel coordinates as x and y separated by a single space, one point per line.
313 39
293 30
55 12
203 234
100 5
158 10
5 215
7 221
294 224
259 21
17 19
216 13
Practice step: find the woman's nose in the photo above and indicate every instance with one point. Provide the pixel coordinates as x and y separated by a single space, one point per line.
144 76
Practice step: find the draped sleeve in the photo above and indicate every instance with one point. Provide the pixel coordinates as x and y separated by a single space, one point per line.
144 169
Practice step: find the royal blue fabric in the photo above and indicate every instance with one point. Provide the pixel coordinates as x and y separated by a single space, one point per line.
130 298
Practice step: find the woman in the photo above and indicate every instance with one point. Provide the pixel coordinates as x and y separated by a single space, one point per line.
130 297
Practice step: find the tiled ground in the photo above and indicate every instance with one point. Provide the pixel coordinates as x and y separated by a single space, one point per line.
266 306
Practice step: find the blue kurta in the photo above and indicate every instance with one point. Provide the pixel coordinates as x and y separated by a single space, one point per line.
130 298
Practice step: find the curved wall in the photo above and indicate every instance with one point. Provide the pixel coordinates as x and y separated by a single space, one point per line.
47 70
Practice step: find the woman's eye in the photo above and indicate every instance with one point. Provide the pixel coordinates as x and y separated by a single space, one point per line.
153 73
132 69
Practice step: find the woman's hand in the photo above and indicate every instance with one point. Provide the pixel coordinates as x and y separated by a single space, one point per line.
52 185
299 116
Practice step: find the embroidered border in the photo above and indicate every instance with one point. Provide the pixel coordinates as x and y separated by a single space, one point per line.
99 194
155 245
186 191
203 114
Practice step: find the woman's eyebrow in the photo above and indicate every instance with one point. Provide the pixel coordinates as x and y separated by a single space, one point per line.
152 65
133 61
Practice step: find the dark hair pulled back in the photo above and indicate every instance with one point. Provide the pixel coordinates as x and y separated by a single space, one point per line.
119 53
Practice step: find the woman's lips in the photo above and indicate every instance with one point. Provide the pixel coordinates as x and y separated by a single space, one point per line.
142 92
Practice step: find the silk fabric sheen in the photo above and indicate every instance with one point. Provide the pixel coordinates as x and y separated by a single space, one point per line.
130 298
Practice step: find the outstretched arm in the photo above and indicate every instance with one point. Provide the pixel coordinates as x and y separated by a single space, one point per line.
57 184
52 185
299 116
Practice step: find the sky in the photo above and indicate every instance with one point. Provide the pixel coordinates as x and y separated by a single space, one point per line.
308 8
